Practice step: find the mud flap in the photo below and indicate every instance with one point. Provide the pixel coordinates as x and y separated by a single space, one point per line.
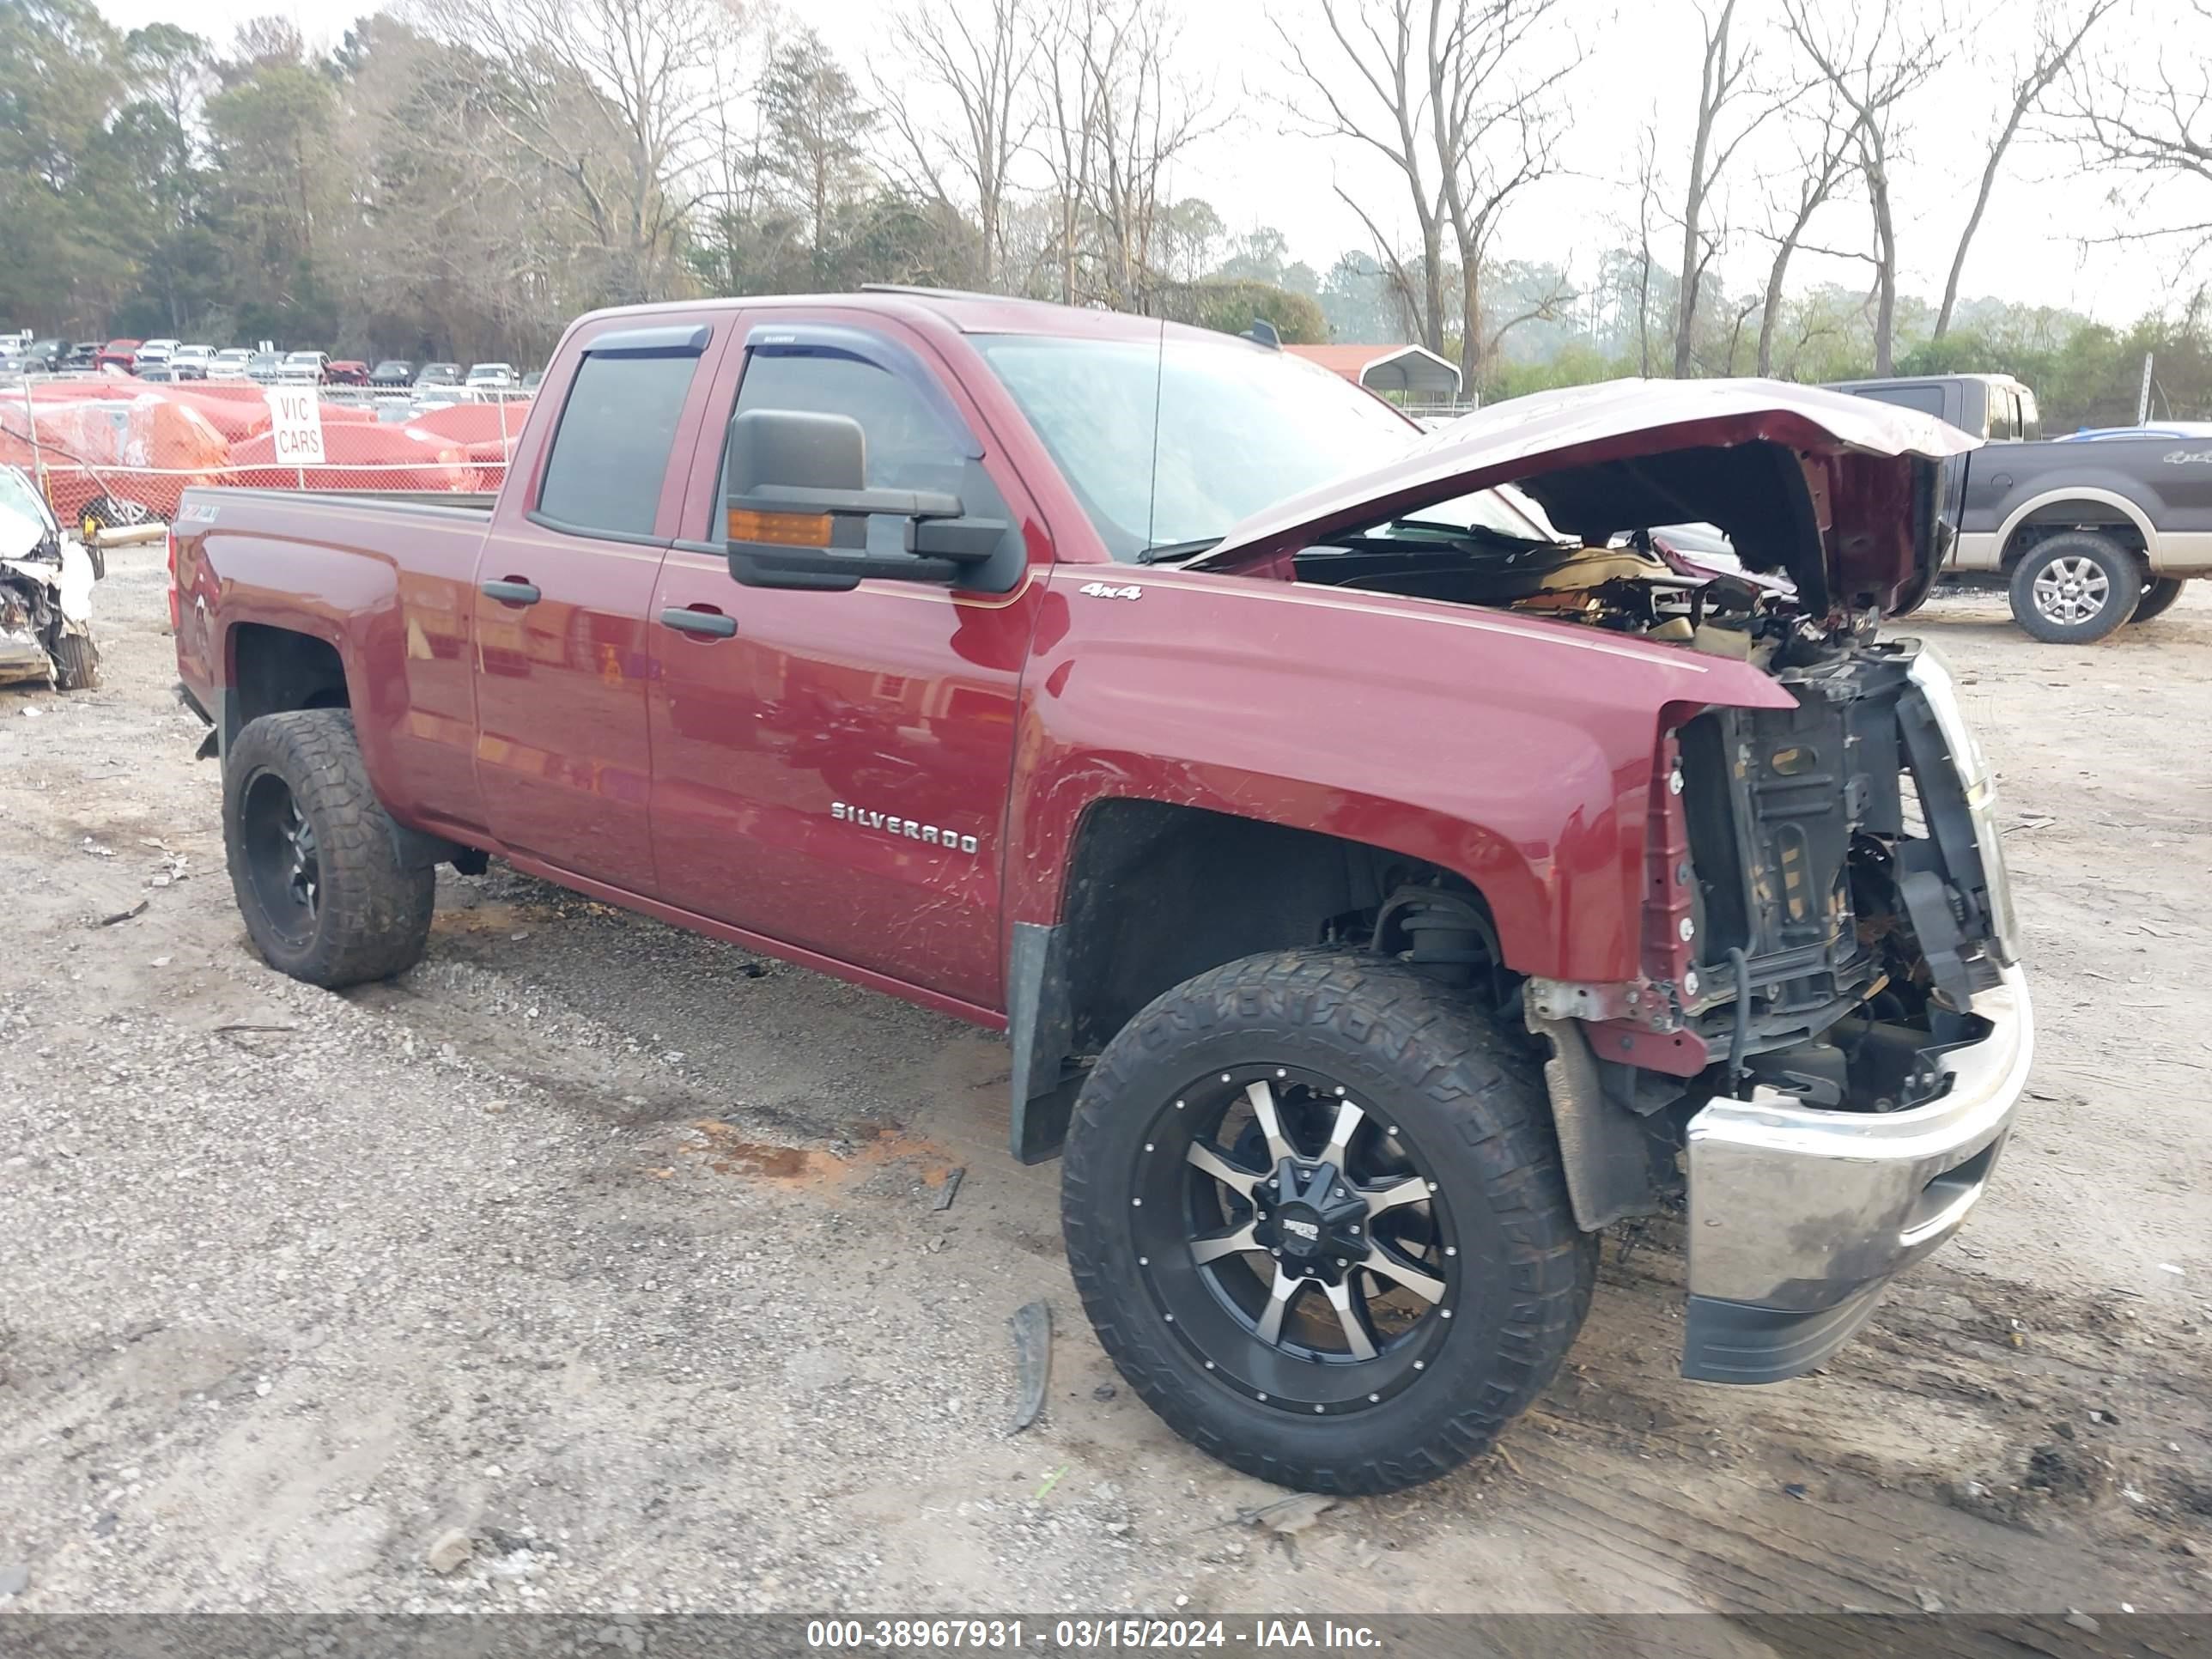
1602 1145
1042 1028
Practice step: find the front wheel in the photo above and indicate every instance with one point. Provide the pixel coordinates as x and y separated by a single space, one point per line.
2075 588
1317 1219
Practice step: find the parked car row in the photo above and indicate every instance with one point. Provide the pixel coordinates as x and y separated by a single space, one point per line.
166 360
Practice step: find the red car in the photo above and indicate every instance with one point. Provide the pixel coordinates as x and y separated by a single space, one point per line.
1388 865
345 371
117 354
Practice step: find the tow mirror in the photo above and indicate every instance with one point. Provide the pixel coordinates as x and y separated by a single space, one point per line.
797 506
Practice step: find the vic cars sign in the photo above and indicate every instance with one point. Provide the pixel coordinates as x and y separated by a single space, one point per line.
296 425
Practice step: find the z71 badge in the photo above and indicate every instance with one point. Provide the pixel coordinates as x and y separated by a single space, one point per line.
891 824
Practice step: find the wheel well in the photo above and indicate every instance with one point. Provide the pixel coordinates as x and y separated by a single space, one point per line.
1157 893
273 670
2059 517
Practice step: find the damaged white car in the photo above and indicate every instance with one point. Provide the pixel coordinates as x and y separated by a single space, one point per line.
45 593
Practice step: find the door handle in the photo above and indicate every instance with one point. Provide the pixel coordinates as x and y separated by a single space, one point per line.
705 624
513 592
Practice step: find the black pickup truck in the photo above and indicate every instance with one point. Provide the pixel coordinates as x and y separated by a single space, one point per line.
2085 537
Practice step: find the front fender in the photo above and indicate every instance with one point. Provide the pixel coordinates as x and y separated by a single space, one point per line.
1516 753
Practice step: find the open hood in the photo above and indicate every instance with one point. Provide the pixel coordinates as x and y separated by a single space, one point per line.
1837 493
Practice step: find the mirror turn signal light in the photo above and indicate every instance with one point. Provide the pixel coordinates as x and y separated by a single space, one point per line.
780 529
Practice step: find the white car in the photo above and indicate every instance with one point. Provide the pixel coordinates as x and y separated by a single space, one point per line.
45 593
230 363
152 354
491 377
190 362
303 366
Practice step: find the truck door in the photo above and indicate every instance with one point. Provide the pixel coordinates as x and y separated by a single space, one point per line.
563 590
831 771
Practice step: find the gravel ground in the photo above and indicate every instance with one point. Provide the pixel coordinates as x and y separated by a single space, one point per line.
598 1263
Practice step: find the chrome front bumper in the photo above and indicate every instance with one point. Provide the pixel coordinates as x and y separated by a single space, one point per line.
1799 1218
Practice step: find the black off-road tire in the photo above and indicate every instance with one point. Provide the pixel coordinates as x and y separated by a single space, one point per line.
1468 1092
2116 571
77 663
372 917
2158 597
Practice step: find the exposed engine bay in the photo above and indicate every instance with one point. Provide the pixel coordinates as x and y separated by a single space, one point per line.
1823 910
1639 585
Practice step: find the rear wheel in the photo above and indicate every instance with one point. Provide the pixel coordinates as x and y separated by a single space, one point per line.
1316 1218
2158 597
313 857
2075 588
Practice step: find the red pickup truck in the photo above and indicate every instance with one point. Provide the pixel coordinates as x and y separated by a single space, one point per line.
1391 861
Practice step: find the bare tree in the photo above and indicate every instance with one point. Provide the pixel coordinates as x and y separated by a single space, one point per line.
984 67
1121 118
2154 127
1446 92
2054 48
1495 126
617 98
1723 78
1874 55
1647 208
1385 108
1823 157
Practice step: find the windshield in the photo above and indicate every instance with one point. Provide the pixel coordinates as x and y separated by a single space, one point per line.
1166 444
24 521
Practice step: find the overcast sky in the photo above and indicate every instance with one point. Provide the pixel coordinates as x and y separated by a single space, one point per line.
1643 61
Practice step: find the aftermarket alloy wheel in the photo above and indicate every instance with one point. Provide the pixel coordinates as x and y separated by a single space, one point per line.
313 860
2075 588
1316 1218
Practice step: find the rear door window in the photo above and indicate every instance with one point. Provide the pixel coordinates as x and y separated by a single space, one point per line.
610 451
2004 423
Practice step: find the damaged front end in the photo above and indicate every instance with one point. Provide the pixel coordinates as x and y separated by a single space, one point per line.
1826 1033
1832 1033
45 593
1858 978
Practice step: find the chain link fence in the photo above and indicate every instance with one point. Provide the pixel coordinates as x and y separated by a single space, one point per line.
111 448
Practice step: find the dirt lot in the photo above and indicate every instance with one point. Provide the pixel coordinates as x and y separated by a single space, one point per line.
616 1248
